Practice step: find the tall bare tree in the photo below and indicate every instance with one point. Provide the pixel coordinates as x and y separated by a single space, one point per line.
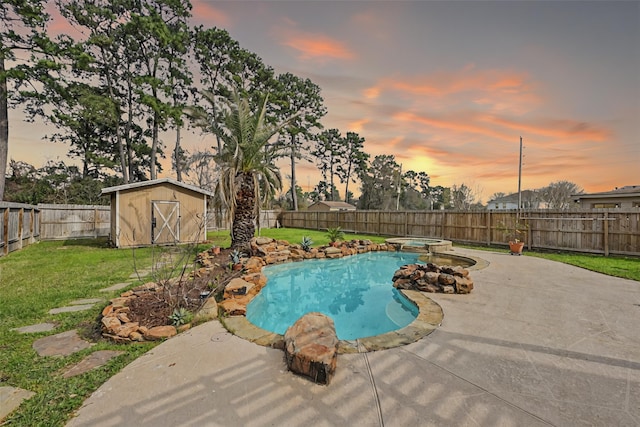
558 194
22 29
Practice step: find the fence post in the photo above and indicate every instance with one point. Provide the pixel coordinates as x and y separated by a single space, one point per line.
406 223
32 230
20 227
95 223
605 227
444 218
488 223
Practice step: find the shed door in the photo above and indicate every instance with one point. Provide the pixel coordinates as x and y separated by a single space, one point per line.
165 222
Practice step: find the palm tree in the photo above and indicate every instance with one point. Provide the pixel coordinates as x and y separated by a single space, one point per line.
248 175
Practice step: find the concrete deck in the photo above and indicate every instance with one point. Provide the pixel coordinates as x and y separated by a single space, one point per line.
536 343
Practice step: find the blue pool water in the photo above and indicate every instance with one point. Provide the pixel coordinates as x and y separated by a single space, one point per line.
356 292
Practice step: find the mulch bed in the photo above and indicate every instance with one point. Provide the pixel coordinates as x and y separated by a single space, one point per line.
152 309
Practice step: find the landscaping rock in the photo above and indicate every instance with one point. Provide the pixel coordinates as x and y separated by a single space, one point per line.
433 278
209 311
311 346
160 332
464 285
237 287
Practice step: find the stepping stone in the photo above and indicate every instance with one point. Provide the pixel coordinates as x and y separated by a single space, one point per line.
70 308
86 301
116 287
62 344
40 327
11 398
90 362
141 273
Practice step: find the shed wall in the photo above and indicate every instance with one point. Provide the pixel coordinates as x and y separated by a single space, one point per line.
134 214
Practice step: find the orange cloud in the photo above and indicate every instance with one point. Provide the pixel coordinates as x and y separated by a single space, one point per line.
315 47
466 80
358 125
495 90
560 129
464 125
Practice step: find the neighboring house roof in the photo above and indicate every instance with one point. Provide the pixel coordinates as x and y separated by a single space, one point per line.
335 205
156 182
513 198
626 191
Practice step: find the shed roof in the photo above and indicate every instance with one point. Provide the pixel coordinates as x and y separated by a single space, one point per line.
133 185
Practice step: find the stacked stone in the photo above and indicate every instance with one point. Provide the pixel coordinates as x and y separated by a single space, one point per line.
433 278
239 292
117 326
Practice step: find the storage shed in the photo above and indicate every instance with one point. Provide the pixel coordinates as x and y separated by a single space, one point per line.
162 211
323 206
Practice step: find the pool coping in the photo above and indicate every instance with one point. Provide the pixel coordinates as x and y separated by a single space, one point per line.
429 318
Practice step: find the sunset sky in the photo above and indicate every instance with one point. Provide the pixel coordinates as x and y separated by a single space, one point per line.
449 87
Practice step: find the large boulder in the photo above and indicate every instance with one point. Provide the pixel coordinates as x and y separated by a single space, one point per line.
311 347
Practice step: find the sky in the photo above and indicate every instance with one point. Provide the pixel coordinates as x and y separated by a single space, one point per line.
449 87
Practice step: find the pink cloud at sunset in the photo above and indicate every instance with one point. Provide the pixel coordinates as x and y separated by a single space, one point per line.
315 47
467 80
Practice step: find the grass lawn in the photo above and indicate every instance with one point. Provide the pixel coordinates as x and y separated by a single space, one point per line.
47 275
292 235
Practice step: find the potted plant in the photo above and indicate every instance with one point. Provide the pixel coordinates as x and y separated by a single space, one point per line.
516 231
334 234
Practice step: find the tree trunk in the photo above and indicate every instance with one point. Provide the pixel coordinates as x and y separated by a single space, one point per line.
346 187
178 156
4 126
294 194
154 147
119 142
243 227
333 198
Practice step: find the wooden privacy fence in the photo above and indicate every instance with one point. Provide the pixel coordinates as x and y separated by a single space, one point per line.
601 231
60 222
218 220
19 226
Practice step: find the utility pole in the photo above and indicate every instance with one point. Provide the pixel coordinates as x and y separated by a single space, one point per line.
399 181
519 182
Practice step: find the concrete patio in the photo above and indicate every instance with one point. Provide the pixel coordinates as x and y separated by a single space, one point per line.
535 343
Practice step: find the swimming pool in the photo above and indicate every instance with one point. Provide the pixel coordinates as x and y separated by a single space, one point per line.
356 292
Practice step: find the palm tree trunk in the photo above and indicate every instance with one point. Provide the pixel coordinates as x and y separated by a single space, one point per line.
243 227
